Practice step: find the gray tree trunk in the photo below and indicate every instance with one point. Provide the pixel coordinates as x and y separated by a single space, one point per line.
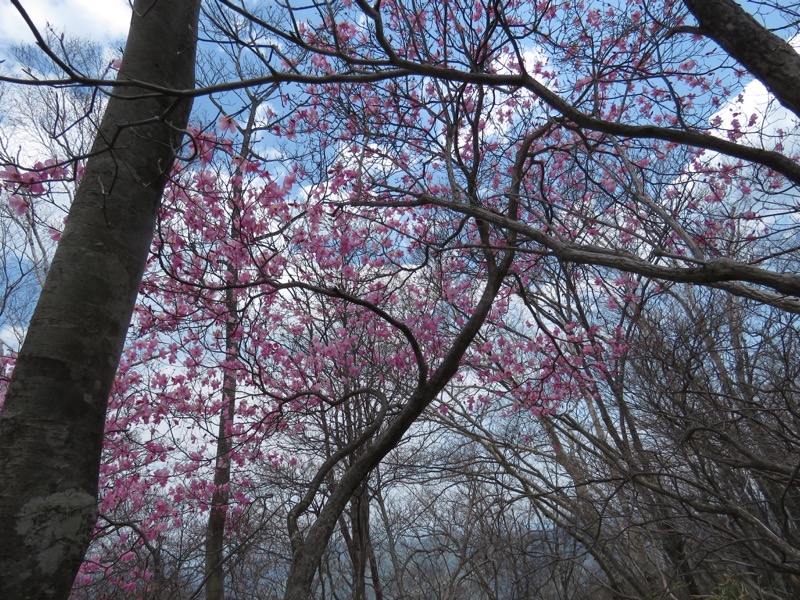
51 428
220 498
769 58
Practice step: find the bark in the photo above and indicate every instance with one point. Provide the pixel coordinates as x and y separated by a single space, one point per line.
769 58
356 539
51 428
375 572
220 499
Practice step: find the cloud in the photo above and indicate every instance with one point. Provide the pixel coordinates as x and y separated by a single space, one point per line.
95 20
755 114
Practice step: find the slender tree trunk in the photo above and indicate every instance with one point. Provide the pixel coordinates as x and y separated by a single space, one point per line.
361 542
220 499
375 572
215 530
51 428
357 541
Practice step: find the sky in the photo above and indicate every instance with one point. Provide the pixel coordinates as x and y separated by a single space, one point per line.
109 19
104 21
100 20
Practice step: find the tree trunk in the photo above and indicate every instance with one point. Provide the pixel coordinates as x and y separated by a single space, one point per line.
217 517
356 539
51 428
220 499
769 58
215 529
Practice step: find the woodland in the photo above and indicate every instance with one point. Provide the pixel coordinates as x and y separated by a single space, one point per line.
403 299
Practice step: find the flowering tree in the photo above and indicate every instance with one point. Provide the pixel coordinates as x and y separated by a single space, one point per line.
599 140
473 202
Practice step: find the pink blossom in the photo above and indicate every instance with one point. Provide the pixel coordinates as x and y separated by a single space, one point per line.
19 204
226 124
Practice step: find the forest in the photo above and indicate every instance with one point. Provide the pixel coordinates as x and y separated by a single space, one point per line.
402 299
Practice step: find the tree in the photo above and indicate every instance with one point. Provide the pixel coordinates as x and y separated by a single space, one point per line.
52 421
661 470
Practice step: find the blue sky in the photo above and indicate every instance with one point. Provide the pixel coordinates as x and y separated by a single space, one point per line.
100 20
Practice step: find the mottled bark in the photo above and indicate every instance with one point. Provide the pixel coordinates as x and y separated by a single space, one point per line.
769 58
51 428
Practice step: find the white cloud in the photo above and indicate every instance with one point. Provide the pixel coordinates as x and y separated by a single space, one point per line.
11 337
97 20
758 116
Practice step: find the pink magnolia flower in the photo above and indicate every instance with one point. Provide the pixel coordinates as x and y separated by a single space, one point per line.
10 173
226 124
19 204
